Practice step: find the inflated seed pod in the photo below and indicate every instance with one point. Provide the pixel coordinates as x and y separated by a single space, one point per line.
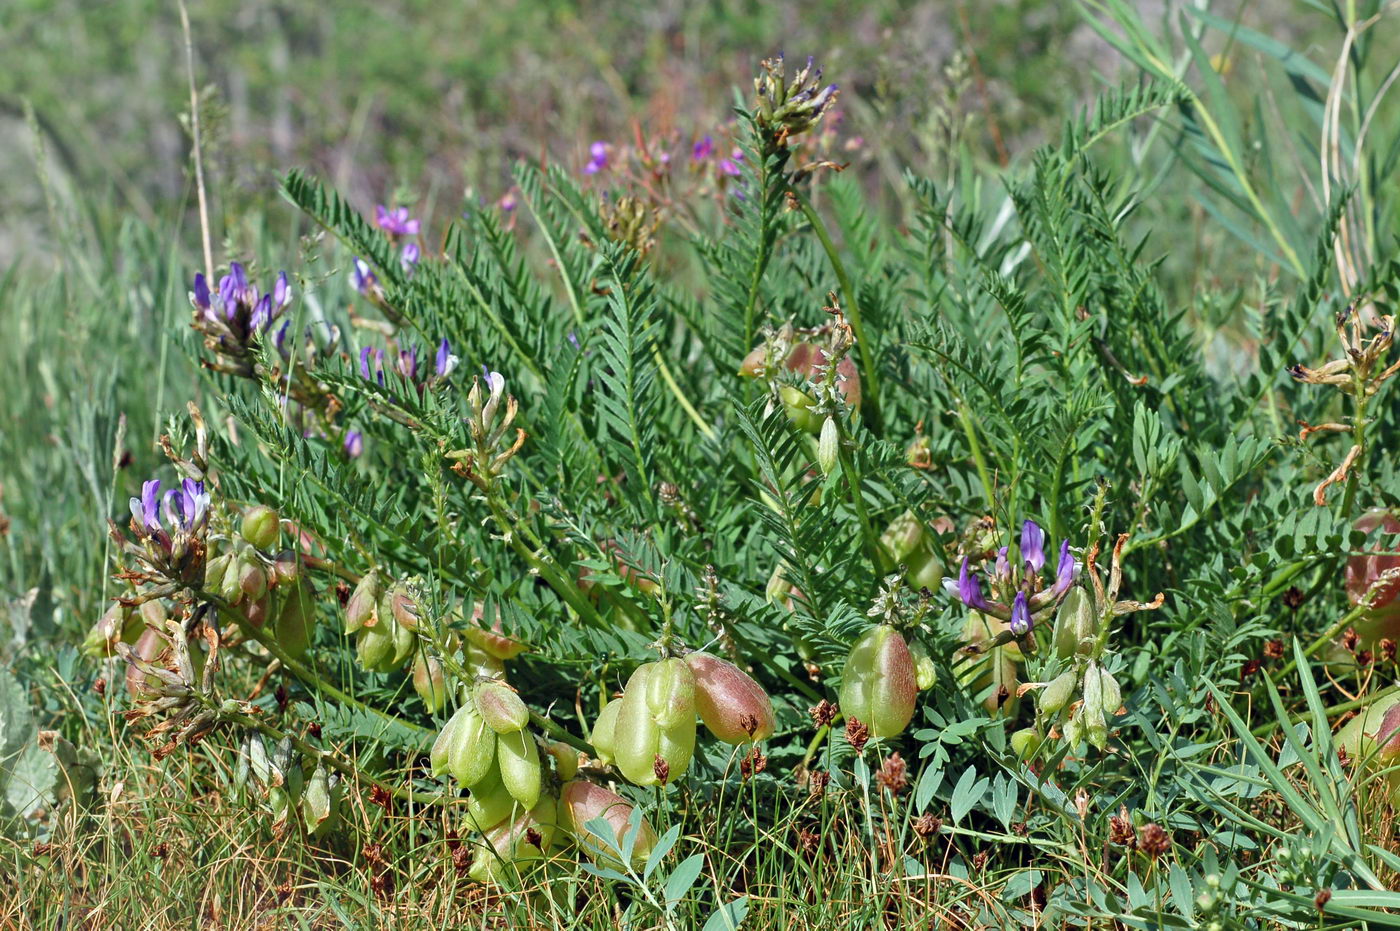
481 663
1092 711
1025 742
260 526
489 803
374 647
515 845
429 681
252 578
215 571
581 802
404 643
286 568
362 610
1058 693
923 569
296 620
518 756
473 747
318 802
494 641
1076 626
654 736
878 685
440 756
565 758
502 709
147 647
902 537
732 706
604 732
402 606
925 672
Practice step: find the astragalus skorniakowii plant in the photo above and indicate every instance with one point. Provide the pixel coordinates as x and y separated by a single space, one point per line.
751 559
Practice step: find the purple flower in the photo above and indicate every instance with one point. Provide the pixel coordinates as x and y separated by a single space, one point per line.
192 503
262 314
234 289
702 149
362 276
146 509
395 222
573 340
354 443
280 338
1033 546
599 159
410 256
376 372
1021 622
1003 566
408 363
1065 571
200 296
445 361
731 166
281 291
970 588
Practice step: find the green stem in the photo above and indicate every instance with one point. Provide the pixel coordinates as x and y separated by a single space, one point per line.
852 310
975 448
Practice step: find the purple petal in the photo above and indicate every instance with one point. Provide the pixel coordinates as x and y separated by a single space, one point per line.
1065 571
201 292
1003 567
364 362
970 588
262 314
410 255
354 443
702 149
1033 545
445 361
150 504
1020 616
382 218
282 291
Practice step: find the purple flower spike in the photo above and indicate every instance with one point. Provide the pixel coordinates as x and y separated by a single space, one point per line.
395 222
1020 616
702 149
970 588
1033 545
445 361
1065 571
354 444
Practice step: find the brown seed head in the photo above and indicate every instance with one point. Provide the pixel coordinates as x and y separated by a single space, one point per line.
1273 650
926 825
808 840
893 774
856 734
1120 829
818 781
1387 648
824 713
979 860
1322 898
1350 639
1154 840
1250 668
662 769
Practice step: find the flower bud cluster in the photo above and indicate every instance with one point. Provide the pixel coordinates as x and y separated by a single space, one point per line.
784 108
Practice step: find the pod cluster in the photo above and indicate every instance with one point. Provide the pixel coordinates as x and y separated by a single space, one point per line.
649 733
1075 640
269 590
281 780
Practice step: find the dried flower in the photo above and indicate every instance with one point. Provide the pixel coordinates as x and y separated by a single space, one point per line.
926 825
1154 840
856 734
893 774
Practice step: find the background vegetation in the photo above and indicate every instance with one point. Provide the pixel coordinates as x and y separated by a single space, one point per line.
1045 204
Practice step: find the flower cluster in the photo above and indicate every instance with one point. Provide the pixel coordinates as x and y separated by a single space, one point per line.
489 424
236 315
787 109
406 363
1020 593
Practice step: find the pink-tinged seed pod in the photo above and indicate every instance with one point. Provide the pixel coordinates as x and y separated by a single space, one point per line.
1373 735
752 366
1373 578
878 685
501 708
903 536
256 612
809 361
494 641
428 681
403 606
296 621
286 568
582 802
148 647
362 610
253 580
731 704
260 526
516 844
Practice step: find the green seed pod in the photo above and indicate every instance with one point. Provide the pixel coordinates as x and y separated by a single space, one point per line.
404 643
1092 711
1076 627
1058 693
829 446
231 584
489 803
655 731
428 681
925 672
316 802
473 747
286 568
481 663
604 738
521 773
902 537
582 802
260 526
733 707
214 572
102 639
374 647
502 709
797 404
362 610
1112 695
565 758
923 569
1025 742
515 845
297 619
878 685
440 757
1074 730
259 764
